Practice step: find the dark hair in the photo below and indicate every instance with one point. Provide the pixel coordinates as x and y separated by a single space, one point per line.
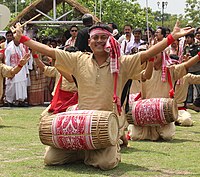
9 32
198 32
167 29
150 29
143 43
54 40
45 40
102 26
71 49
163 30
67 34
87 19
137 30
128 25
189 35
114 26
73 26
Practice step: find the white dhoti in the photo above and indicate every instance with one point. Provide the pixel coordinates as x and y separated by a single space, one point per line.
21 90
153 133
184 118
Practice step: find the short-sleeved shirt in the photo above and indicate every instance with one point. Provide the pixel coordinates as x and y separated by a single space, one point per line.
5 71
96 83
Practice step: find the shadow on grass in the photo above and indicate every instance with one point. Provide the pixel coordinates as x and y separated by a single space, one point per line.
182 141
81 168
5 126
171 141
130 150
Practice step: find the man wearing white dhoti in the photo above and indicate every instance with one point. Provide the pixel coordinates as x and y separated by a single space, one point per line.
16 87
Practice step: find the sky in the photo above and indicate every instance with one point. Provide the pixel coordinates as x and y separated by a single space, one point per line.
173 6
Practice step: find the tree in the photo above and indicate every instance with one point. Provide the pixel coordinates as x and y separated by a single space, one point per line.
169 19
192 12
121 12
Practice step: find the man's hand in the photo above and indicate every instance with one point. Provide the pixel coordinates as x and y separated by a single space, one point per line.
17 31
24 59
180 32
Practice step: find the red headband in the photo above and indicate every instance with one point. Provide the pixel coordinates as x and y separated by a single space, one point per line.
99 31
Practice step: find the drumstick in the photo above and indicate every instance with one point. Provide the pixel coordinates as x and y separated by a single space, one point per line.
27 22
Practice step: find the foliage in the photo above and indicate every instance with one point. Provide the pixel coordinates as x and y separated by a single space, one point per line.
121 12
12 5
169 19
21 152
192 12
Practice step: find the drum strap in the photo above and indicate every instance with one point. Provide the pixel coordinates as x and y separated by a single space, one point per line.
171 92
62 99
116 99
125 95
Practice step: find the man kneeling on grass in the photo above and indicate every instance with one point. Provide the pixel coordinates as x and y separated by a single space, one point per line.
95 74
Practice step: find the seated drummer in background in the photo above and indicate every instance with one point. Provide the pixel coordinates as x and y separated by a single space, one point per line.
159 87
67 85
181 92
94 73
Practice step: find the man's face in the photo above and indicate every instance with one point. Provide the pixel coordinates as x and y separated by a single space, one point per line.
74 31
148 33
175 44
9 37
189 40
137 36
97 43
53 44
127 30
158 35
197 36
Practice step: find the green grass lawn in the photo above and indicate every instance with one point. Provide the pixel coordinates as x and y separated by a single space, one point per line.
21 152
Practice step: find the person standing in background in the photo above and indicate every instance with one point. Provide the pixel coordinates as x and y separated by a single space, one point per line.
83 34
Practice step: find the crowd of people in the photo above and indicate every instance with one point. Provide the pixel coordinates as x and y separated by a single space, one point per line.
87 66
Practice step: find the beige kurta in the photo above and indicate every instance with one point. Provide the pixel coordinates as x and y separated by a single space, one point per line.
50 71
95 88
5 71
156 88
181 90
96 82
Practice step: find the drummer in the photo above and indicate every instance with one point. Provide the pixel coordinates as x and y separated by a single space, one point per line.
158 87
67 85
94 74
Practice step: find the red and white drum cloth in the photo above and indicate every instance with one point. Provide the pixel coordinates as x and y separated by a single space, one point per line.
149 112
73 132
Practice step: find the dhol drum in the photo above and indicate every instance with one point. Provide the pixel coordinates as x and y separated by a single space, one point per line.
153 112
72 108
121 118
81 129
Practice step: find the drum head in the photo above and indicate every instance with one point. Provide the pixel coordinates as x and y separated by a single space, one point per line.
174 110
113 128
4 16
